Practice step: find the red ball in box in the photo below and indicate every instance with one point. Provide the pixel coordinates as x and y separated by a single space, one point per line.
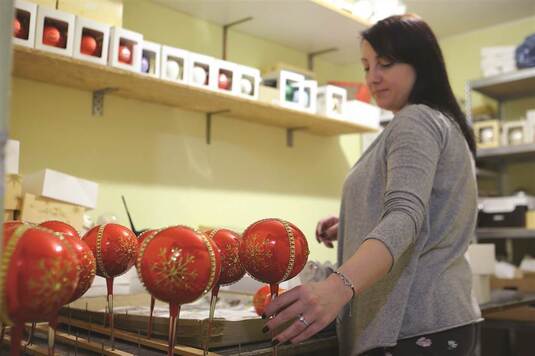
88 45
114 247
52 36
86 260
17 28
262 298
40 274
273 250
223 81
178 264
125 54
228 243
61 227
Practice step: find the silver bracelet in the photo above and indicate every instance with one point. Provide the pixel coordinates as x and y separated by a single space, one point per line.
347 283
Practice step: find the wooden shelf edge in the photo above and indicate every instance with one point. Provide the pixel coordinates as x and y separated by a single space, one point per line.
61 70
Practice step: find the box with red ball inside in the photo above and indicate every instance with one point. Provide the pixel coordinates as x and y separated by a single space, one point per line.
202 71
226 76
125 49
150 58
331 101
24 23
174 64
54 31
91 41
247 82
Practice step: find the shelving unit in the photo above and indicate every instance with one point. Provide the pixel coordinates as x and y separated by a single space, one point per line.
505 233
55 69
285 22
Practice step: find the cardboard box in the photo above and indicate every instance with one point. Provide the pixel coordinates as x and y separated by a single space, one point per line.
268 95
63 187
109 12
524 284
514 133
530 219
12 154
13 192
26 14
481 258
36 209
99 32
62 21
487 133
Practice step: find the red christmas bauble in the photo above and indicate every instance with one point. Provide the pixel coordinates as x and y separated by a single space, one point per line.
125 54
223 81
262 298
114 247
61 227
88 45
40 274
364 94
178 264
9 226
17 28
86 260
273 250
51 36
228 243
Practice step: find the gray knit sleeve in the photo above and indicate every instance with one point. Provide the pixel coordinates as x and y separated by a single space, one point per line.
413 145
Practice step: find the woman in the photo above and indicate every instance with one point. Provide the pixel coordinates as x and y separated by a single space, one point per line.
408 213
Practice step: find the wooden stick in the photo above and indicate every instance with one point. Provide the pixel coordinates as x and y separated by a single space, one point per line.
134 338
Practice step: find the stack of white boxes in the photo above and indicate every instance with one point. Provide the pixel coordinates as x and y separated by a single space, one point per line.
482 262
497 60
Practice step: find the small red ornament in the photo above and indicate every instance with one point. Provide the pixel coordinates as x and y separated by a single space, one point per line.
125 54
86 260
88 45
228 243
223 81
9 226
61 227
114 247
51 36
262 298
17 28
273 250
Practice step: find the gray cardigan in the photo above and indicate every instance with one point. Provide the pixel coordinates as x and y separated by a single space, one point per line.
414 189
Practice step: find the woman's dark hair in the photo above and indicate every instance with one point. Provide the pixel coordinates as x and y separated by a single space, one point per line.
408 39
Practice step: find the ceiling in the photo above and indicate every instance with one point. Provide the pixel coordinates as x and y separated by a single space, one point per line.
451 17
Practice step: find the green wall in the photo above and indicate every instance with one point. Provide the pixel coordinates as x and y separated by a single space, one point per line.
157 156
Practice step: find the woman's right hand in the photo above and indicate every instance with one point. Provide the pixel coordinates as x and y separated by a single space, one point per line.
327 230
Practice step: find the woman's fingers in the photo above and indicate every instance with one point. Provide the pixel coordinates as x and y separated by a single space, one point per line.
298 327
282 301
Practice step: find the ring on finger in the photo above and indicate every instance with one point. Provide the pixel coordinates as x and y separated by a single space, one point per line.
302 319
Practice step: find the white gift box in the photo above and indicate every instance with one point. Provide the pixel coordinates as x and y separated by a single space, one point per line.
362 113
61 186
308 91
226 73
55 20
331 101
201 72
150 58
514 132
119 39
530 126
89 30
247 82
12 154
26 14
174 64
290 87
482 263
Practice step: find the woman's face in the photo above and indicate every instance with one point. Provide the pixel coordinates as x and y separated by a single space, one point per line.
390 82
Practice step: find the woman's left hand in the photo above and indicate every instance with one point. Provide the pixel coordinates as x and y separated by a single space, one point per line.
312 305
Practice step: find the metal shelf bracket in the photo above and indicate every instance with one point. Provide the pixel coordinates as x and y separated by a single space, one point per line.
290 134
209 124
312 55
98 100
225 33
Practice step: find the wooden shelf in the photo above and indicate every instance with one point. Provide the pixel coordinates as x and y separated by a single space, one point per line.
513 85
505 233
298 24
56 69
